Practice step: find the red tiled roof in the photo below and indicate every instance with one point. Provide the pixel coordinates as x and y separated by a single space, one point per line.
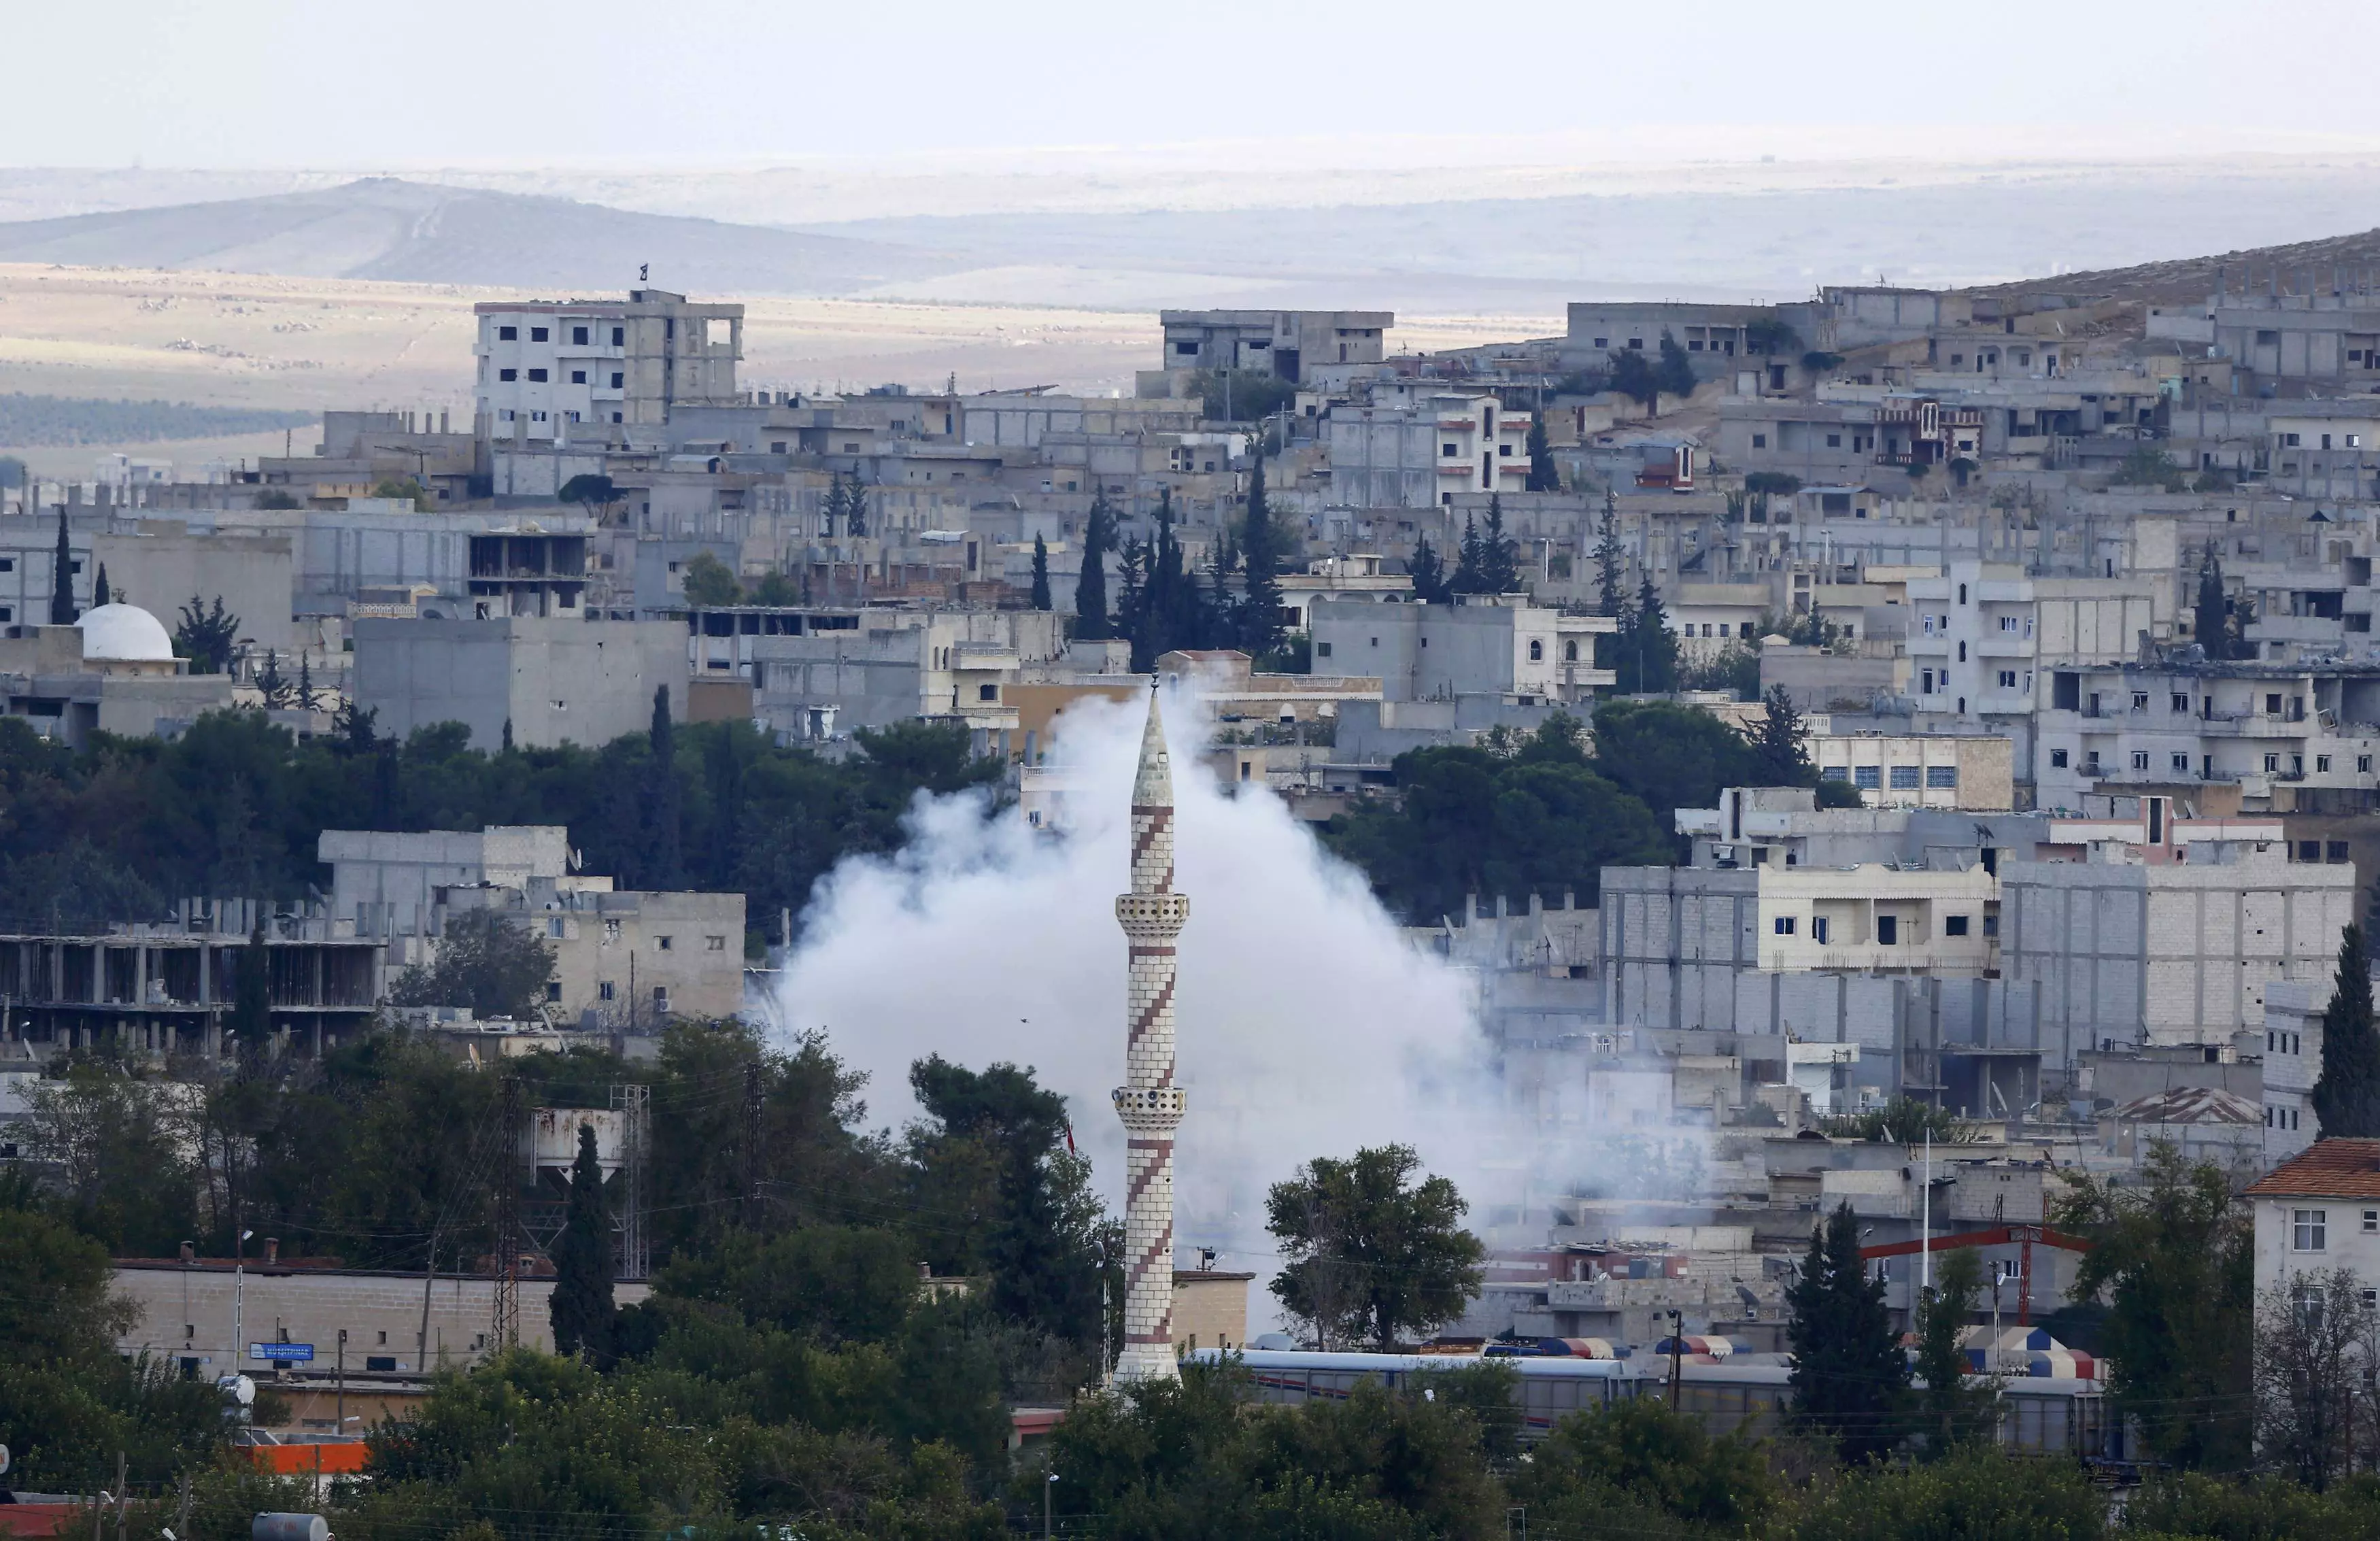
2331 1169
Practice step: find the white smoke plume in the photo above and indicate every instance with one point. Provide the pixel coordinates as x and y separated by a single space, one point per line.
1305 1026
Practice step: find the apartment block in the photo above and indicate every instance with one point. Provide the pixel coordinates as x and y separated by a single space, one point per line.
549 367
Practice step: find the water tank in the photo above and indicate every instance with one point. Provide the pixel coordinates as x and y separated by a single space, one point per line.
289 1527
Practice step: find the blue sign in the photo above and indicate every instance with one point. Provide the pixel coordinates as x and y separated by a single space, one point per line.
287 1354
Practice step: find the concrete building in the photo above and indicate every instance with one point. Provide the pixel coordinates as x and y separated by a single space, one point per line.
1283 343
820 673
1916 770
183 1314
600 366
2316 1212
161 988
1424 453
2275 731
1481 645
2294 1010
113 670
548 681
2168 943
1150 1101
2201 1123
1986 641
624 961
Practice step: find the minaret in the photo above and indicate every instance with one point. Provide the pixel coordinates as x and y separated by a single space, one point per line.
1148 1101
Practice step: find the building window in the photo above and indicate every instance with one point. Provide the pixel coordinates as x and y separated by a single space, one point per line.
1904 778
1834 441
2008 679
2309 1230
611 931
2334 852
2273 705
2322 762
2139 700
604 990
1536 651
2181 764
714 944
538 376
661 998
2139 759
664 943
1818 928
1569 651
508 334
2007 623
538 335
987 692
2273 762
1888 931
2181 702
509 374
553 989
1942 778
619 335
578 377
1760 441
1785 924
1835 773
1954 924
1867 778
554 926
2371 1223
2364 765
1322 649
578 336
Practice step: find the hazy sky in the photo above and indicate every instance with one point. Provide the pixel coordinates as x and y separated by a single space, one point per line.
226 83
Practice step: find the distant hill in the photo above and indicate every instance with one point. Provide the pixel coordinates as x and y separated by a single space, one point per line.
2304 266
390 229
28 421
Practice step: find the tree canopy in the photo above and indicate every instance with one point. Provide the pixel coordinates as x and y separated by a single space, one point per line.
1369 1254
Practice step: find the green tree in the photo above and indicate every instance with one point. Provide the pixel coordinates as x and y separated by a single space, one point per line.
1850 1380
2211 615
2150 466
1262 545
1764 485
1780 750
581 1303
1647 653
488 961
1675 373
249 1022
1428 570
69 1402
1040 596
1632 375
277 498
1950 1412
275 686
2173 1258
1091 622
62 605
780 589
1543 477
1499 565
404 489
1368 1253
207 638
1242 395
1977 1494
118 1149
1644 1454
1610 563
1011 1200
664 866
854 509
1470 821
100 593
2347 1094
591 491
709 583
1669 756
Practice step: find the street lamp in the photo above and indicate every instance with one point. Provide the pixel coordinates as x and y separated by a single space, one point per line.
1048 1485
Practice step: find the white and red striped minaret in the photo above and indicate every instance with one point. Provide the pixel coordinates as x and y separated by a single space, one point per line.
1148 1101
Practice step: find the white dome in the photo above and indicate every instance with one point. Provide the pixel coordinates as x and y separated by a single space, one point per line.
124 634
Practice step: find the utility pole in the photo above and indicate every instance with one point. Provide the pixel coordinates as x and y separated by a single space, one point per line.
341 1426
506 1326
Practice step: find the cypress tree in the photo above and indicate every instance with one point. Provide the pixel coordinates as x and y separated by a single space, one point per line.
2210 616
1610 563
306 691
1091 622
1428 571
250 1023
581 1303
100 592
1543 478
665 858
1850 1378
1040 572
1500 568
1467 577
1779 752
1261 542
1650 647
62 605
2347 1096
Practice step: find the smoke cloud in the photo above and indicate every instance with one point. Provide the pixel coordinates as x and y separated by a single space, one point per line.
1305 1026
